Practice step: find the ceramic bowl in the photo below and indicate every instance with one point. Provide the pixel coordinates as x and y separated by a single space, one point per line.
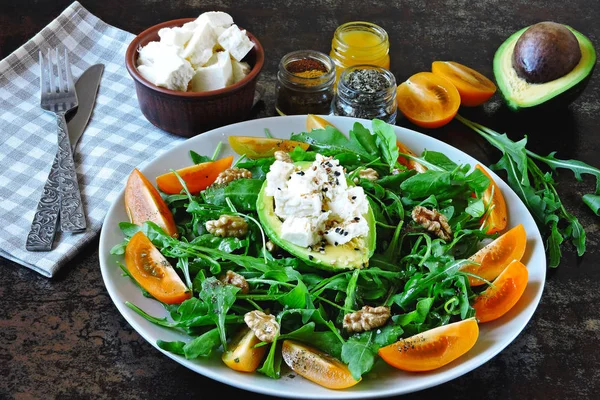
190 113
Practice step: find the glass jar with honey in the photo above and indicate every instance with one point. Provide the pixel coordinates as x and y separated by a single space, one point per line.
357 43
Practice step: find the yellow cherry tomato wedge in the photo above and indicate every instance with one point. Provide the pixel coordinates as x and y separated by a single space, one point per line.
153 272
497 217
428 100
143 203
316 122
316 366
498 299
241 355
258 147
432 349
408 163
473 87
494 257
196 177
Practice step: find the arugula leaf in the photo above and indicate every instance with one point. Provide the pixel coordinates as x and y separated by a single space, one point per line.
439 159
417 316
128 229
243 193
199 159
386 141
326 341
330 141
219 298
359 353
593 202
173 347
366 139
295 298
427 183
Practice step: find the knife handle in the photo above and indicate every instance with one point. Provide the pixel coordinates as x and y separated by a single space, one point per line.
72 218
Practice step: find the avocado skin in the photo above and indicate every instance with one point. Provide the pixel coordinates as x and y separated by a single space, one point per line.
559 100
318 260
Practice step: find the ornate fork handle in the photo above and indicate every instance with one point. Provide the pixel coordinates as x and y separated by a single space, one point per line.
72 218
43 228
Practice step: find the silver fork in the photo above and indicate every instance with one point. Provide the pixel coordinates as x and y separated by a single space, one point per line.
59 97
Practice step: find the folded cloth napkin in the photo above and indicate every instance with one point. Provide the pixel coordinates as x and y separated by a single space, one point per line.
117 138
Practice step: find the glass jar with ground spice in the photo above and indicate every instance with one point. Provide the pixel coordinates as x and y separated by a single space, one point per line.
305 83
359 42
366 91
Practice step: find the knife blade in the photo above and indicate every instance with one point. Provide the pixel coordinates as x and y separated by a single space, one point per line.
86 88
45 221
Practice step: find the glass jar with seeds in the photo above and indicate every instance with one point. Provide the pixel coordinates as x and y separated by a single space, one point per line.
366 91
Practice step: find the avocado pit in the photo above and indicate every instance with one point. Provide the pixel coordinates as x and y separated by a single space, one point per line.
546 51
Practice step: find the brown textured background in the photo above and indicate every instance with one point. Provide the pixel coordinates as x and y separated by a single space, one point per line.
64 338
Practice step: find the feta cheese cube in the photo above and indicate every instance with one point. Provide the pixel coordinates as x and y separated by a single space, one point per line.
177 36
199 49
277 177
149 53
299 205
235 40
217 19
240 70
173 73
347 231
303 231
215 75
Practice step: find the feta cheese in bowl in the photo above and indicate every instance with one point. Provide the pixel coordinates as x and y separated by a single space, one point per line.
205 89
198 56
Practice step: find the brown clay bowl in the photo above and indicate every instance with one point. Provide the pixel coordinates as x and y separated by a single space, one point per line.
190 113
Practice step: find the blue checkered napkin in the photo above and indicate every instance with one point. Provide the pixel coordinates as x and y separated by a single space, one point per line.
117 138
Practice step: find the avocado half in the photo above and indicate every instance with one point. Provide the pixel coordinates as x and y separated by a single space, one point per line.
520 94
333 258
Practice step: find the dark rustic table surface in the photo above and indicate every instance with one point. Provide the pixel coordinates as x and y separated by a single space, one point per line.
64 338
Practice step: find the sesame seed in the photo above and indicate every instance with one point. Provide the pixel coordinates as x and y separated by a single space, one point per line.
337 173
310 257
337 230
301 173
353 197
335 243
357 219
357 249
346 233
325 189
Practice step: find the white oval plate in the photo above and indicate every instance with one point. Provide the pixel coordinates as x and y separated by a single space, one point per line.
383 380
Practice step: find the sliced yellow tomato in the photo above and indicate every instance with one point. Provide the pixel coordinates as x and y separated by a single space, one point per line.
153 272
494 257
496 219
473 87
241 355
316 122
143 203
428 100
316 366
506 291
258 147
432 349
196 177
410 164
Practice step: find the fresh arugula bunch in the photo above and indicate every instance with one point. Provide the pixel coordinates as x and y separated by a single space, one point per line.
537 189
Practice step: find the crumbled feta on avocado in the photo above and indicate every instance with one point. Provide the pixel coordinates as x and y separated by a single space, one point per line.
316 204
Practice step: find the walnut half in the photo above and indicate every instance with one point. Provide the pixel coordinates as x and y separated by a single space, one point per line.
232 278
282 156
231 174
366 319
228 226
433 221
367 173
264 326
